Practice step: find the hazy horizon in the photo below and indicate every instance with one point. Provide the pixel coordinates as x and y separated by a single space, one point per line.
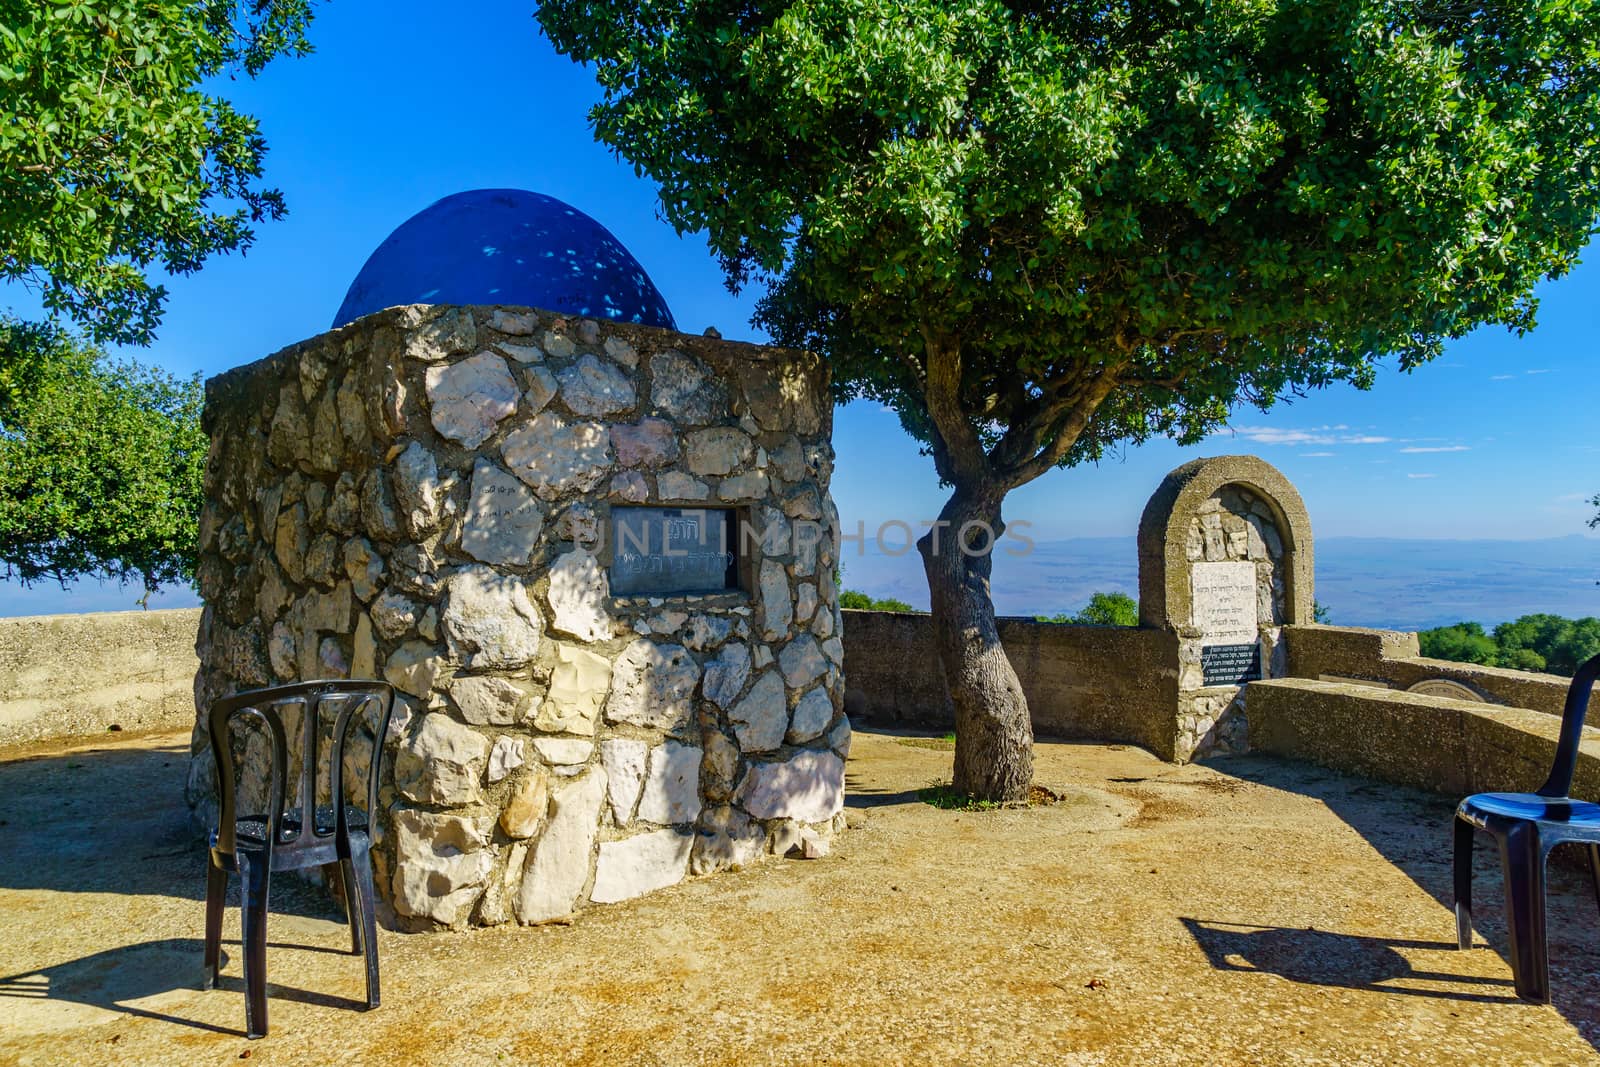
1401 583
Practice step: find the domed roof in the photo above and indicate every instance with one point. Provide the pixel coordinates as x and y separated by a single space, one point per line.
506 246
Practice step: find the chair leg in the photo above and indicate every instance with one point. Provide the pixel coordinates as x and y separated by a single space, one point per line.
360 863
352 903
1522 863
216 894
255 874
1594 870
1463 871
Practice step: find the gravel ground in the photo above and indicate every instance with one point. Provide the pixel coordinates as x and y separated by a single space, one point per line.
1248 912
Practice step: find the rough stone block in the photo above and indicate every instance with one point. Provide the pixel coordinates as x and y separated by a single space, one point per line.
469 399
652 685
578 688
442 763
624 760
558 867
489 620
671 793
640 864
809 787
441 865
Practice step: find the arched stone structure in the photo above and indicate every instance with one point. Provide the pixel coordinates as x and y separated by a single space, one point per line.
1225 561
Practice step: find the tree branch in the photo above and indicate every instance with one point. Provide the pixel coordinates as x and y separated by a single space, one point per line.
1059 425
954 433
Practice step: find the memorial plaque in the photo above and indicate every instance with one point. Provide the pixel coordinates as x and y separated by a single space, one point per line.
673 551
1230 664
1225 602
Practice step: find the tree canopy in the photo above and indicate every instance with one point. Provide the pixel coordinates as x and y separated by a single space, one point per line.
116 161
1037 228
101 464
1532 643
1103 609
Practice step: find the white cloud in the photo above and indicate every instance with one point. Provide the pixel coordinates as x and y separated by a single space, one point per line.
1317 435
1422 476
1415 449
1316 455
1501 377
1542 370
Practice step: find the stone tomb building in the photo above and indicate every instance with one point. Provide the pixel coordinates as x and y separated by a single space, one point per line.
595 557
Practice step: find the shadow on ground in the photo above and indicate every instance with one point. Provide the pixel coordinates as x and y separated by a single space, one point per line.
112 821
1411 829
1326 958
100 820
134 980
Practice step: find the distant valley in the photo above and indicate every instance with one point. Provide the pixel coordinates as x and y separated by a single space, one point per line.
1363 581
1391 583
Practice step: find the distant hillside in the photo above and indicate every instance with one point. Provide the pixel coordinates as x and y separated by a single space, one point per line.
1364 581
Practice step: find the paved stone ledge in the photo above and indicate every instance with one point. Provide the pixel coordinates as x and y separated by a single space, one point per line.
1428 742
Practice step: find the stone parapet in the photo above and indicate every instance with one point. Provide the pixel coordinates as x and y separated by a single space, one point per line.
78 675
1105 683
1389 659
1429 742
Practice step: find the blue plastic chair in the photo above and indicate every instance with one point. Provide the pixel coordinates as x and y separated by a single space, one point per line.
1526 826
283 838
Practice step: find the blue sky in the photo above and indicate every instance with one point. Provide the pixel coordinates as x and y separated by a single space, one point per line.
399 108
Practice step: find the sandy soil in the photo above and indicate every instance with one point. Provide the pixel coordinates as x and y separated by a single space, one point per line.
1250 912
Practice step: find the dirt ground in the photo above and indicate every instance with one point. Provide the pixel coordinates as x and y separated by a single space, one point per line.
1250 912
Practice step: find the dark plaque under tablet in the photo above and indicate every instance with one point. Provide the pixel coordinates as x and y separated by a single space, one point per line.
1230 664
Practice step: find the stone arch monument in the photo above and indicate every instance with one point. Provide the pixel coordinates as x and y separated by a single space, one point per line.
1225 562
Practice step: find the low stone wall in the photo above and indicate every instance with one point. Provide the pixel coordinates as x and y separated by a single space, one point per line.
77 675
1102 682
1388 659
1428 742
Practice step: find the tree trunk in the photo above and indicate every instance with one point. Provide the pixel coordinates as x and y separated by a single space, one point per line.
994 736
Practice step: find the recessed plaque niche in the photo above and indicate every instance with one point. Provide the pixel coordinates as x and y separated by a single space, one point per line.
673 551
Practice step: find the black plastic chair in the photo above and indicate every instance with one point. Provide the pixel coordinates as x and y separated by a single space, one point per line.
1526 826
255 845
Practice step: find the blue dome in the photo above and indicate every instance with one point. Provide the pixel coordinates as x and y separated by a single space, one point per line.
506 246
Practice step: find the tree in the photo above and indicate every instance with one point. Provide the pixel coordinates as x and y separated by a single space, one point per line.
1109 609
1540 642
850 598
1038 229
1103 609
1594 502
101 466
1560 645
115 161
1465 642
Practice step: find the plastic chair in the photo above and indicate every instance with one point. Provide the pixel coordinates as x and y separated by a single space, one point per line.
282 839
1526 826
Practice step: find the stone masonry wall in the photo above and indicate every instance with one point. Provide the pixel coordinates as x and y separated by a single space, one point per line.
1103 683
424 495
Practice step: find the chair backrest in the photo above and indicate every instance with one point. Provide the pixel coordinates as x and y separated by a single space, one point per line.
1560 781
262 707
